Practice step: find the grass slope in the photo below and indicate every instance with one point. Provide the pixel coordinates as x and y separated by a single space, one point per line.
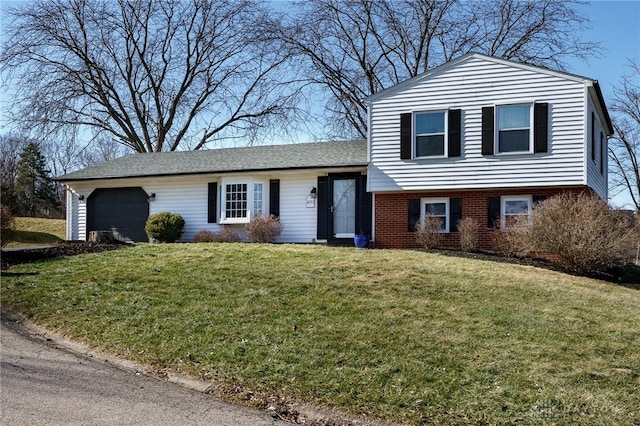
403 336
37 231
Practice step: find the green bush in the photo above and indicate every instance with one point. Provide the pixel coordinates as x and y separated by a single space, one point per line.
165 227
263 229
7 223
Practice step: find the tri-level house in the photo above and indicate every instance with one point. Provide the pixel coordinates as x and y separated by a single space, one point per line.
481 137
477 137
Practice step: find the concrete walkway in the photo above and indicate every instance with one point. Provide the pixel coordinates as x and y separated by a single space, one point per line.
44 382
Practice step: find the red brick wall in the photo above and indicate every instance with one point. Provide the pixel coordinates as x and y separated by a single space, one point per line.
392 217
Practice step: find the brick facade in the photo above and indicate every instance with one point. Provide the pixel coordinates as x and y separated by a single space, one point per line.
392 217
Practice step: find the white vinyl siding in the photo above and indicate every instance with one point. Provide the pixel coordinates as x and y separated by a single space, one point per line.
188 196
471 85
595 153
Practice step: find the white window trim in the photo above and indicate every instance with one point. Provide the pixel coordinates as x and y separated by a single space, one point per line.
414 135
496 136
503 205
425 201
250 200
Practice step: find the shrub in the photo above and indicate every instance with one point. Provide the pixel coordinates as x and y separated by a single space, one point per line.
514 241
226 235
582 232
263 229
165 227
428 231
7 224
468 229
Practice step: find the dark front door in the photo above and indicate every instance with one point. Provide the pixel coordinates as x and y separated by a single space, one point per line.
123 210
344 207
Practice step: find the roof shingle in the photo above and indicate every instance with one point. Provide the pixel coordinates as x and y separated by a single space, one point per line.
225 160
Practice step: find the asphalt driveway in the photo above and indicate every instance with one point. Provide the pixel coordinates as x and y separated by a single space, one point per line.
45 383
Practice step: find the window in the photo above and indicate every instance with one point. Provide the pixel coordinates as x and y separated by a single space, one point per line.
514 128
429 134
257 199
437 207
241 201
514 208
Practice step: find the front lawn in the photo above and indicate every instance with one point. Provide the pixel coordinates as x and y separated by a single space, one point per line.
35 231
404 336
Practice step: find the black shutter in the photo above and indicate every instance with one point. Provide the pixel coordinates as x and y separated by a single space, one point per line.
212 203
602 149
493 211
405 136
538 199
455 213
322 197
540 127
593 136
455 133
414 214
487 130
364 207
274 197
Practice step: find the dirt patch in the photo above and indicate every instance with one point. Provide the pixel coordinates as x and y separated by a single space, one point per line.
63 248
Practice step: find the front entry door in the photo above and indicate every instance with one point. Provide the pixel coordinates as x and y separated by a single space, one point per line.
343 208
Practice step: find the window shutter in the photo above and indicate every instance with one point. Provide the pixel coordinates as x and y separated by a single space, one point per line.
455 133
405 136
602 149
488 130
540 127
414 214
322 195
455 213
363 220
593 136
493 211
274 197
538 199
212 203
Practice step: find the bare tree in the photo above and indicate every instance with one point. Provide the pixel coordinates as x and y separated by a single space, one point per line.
624 149
356 48
155 75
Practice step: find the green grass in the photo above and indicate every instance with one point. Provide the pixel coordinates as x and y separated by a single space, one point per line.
399 335
33 231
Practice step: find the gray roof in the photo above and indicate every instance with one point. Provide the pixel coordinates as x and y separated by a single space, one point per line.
226 160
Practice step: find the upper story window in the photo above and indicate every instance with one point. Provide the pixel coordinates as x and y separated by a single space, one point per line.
430 134
514 128
241 201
